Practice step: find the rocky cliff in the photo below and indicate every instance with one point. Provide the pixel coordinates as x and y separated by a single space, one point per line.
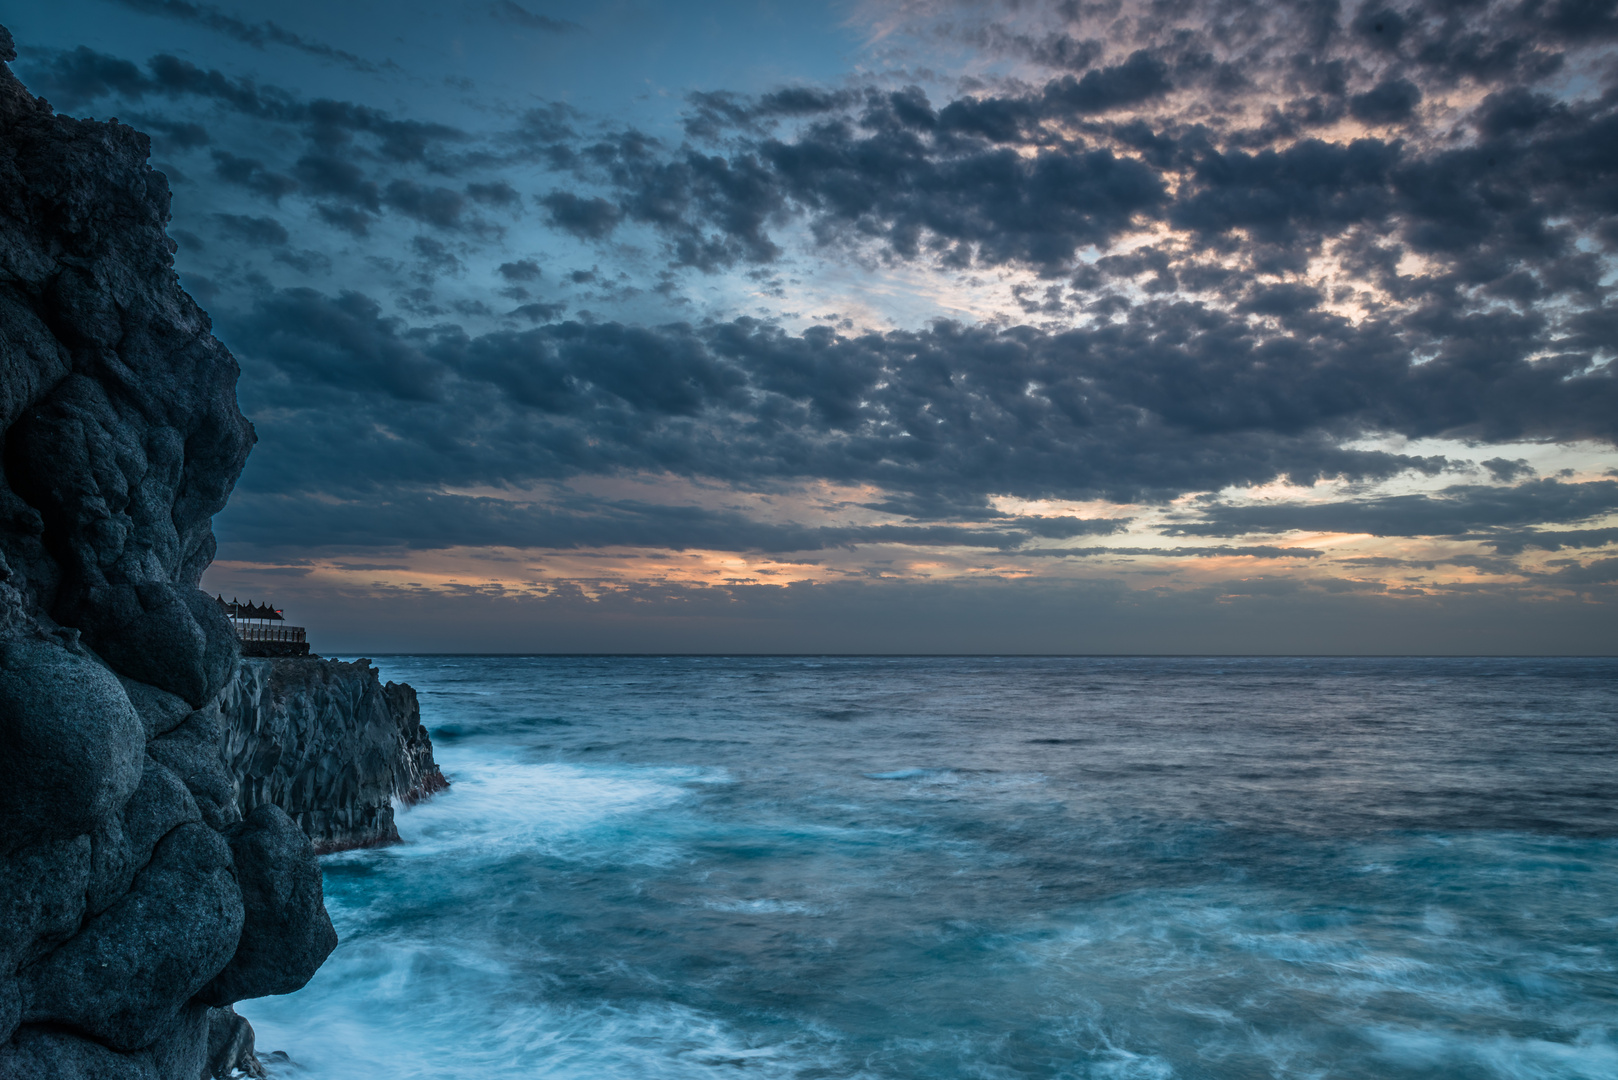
329 744
135 896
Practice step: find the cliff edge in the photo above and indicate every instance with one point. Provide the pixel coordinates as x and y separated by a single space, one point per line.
329 744
137 901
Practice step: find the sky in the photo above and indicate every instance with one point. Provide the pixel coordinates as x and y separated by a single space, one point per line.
1160 327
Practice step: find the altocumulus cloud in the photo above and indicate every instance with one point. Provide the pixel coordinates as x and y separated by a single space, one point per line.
1178 397
1240 246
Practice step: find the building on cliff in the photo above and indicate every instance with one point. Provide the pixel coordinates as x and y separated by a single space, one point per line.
257 628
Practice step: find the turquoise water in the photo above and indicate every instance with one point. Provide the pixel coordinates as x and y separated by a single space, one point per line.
985 868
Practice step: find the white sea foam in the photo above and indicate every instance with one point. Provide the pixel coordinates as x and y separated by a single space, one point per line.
1239 962
911 774
1441 1052
650 1042
503 804
738 868
763 906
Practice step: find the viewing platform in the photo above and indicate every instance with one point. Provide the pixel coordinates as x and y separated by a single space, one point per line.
262 629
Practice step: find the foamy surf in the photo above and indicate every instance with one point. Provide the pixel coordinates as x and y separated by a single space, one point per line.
659 868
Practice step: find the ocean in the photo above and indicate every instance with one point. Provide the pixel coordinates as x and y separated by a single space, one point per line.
995 868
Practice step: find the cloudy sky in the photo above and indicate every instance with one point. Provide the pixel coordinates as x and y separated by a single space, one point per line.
1185 326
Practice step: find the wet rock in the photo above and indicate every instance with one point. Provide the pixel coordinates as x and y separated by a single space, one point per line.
286 933
158 633
230 1046
160 804
48 1054
160 711
193 752
42 898
10 1008
181 1048
123 977
70 742
329 744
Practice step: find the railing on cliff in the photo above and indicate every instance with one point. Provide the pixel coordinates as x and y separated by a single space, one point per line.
290 634
262 629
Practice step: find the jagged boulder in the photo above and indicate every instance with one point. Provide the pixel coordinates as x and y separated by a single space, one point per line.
128 972
330 744
286 933
70 742
231 1046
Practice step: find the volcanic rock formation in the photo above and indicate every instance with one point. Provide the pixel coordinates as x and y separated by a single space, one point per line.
328 743
135 896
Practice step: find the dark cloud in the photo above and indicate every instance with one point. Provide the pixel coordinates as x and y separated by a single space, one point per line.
345 146
174 135
438 206
76 77
1252 551
1383 28
1052 49
255 34
1289 196
416 519
252 175
261 231
1454 511
436 254
1516 541
538 312
1177 398
332 176
521 270
305 262
1507 471
976 204
498 193
1466 293
591 219
714 112
1034 177
509 12
174 77
1388 102
713 210
989 181
1006 179
1139 78
347 218
1600 572
1578 19
1062 528
344 342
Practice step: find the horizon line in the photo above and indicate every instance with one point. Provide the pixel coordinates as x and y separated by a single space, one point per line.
996 656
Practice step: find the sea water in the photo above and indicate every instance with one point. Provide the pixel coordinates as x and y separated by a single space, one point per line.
992 868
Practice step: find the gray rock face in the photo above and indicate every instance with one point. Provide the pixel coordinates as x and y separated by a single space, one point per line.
130 882
42 1054
70 742
230 1046
192 752
328 743
286 934
119 979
